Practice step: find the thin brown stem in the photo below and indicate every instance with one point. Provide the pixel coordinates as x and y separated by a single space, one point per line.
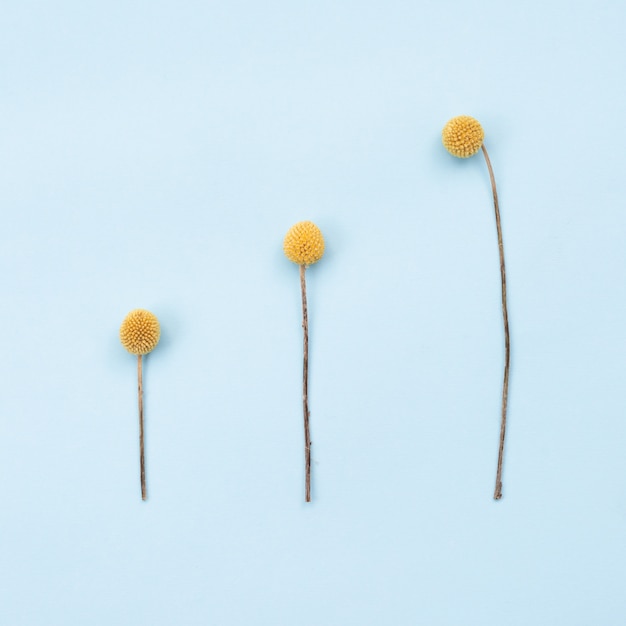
142 460
305 388
507 343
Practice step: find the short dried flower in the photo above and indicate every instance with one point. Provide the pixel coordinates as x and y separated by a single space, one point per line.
139 334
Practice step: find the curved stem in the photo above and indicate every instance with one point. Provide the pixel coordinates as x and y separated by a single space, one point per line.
305 389
142 461
507 343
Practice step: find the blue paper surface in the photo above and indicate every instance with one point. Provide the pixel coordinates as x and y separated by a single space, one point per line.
153 155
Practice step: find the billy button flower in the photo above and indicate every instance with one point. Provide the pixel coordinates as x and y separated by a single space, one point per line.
304 245
139 334
463 137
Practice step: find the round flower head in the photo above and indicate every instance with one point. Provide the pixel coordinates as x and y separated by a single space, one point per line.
140 332
304 243
463 136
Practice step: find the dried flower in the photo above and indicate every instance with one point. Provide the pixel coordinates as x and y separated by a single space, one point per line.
139 334
463 137
304 245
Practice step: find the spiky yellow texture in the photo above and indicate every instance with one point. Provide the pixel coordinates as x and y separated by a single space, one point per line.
304 243
463 136
140 331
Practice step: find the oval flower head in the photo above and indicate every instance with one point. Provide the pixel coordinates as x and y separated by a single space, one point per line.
139 334
304 245
463 137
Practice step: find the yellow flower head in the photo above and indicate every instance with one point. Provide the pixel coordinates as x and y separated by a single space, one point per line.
304 243
463 136
140 331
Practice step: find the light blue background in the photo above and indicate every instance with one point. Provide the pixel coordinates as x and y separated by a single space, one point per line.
153 154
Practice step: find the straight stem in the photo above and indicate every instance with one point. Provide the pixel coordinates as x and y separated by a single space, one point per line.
142 460
305 388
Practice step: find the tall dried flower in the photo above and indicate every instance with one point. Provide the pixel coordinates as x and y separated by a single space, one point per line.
463 137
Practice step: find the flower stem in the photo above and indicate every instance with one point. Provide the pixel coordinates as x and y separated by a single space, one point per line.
507 344
305 388
142 460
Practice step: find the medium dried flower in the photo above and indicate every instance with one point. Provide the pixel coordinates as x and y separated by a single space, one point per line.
304 245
